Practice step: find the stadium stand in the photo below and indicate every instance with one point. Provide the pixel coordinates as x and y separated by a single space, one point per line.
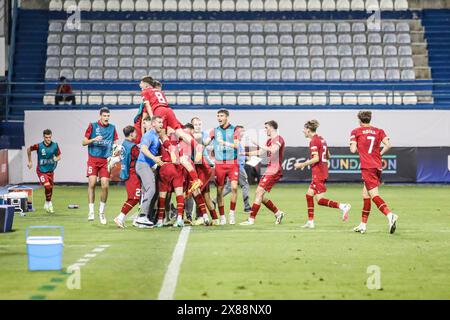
305 54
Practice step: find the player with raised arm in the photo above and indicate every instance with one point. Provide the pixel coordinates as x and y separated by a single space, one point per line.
48 154
170 178
225 139
320 154
275 151
366 140
99 137
129 155
201 195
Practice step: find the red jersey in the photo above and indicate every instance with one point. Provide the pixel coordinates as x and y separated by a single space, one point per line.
134 155
155 97
165 149
368 141
318 146
276 159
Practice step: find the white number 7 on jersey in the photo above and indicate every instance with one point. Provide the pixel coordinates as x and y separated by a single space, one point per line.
372 141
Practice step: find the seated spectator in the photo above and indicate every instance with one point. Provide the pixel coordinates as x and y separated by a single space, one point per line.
64 92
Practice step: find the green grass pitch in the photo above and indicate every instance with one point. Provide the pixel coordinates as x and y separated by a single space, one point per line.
264 261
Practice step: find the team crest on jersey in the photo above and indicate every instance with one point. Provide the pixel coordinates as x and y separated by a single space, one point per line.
97 131
43 152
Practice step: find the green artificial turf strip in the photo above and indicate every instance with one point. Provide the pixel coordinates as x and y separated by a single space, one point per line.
264 261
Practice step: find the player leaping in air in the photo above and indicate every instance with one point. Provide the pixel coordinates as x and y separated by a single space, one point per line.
48 154
156 104
366 140
275 151
320 155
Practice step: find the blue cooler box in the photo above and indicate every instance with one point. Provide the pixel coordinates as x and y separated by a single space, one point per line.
45 252
6 218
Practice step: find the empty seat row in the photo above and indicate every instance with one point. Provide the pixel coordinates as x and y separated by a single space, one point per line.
253 51
199 27
187 62
229 5
173 39
360 74
244 99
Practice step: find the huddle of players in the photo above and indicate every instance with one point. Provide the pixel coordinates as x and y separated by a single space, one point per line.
169 146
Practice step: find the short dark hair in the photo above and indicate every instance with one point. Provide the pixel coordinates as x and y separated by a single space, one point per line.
128 130
62 79
104 110
47 132
147 118
365 116
224 111
148 80
195 118
272 123
156 83
188 126
312 125
239 126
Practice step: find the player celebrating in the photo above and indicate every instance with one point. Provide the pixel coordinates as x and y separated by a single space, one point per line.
170 178
48 156
142 114
366 140
129 155
99 137
226 144
319 167
275 151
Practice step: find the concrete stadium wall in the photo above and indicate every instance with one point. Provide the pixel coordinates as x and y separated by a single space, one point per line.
412 128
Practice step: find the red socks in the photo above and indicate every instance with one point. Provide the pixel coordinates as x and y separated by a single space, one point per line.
382 206
232 205
161 207
310 206
269 205
128 205
48 193
366 210
213 214
193 175
200 203
180 205
255 209
222 210
328 203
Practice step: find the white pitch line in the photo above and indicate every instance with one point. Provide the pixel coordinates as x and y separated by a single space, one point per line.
90 255
98 249
171 277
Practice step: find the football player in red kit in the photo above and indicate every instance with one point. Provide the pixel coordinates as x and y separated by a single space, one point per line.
170 178
366 140
275 151
128 156
193 153
320 155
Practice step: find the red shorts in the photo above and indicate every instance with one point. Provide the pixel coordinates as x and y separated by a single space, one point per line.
170 177
267 181
137 127
97 167
45 177
371 178
133 186
223 170
204 172
318 186
168 117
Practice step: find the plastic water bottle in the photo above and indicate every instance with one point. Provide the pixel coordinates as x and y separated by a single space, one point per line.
73 206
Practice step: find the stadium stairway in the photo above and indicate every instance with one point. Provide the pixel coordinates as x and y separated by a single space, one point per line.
29 61
437 32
